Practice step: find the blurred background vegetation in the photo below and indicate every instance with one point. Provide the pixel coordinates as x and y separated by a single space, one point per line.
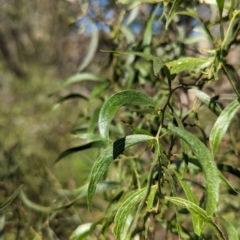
42 43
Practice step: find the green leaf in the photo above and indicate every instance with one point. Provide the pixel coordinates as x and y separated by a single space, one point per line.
183 143
151 198
158 64
148 32
84 230
192 13
133 14
44 209
107 157
79 77
229 33
221 125
77 193
90 137
124 214
226 182
129 35
68 97
230 169
195 209
139 130
232 75
99 89
207 100
94 120
82 191
10 199
223 180
167 175
197 223
208 165
94 144
148 57
81 128
172 12
186 63
220 4
118 100
231 230
91 49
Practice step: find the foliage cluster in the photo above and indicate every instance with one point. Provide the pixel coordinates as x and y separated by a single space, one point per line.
162 116
161 122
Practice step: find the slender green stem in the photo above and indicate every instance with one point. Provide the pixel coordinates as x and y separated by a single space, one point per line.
149 185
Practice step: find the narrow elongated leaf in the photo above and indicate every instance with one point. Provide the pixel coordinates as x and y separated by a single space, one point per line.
220 4
225 182
118 100
195 209
93 123
207 100
140 131
68 97
158 64
186 188
146 56
84 230
32 234
151 198
133 14
81 232
99 89
197 223
44 209
231 230
125 211
10 199
173 9
230 169
186 63
232 75
94 144
79 77
192 13
106 158
91 137
79 129
77 193
168 175
148 32
82 191
183 143
208 165
222 179
221 125
91 49
228 35
129 35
